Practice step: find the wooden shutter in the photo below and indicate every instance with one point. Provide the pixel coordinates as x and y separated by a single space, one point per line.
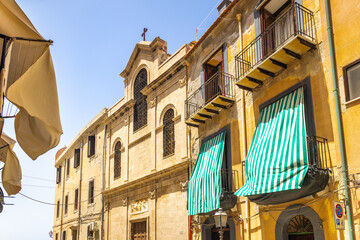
76 157
91 145
138 231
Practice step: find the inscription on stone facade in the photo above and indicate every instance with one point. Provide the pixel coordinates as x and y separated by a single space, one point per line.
139 207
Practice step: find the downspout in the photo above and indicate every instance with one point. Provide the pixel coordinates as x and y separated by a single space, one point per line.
244 139
103 184
339 119
80 184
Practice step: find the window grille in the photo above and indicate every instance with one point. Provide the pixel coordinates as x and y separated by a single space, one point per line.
168 133
91 145
91 192
140 108
300 224
76 157
76 200
117 160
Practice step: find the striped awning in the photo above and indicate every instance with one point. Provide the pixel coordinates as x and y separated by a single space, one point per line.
204 187
277 158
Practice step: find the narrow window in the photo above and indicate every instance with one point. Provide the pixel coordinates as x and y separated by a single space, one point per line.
90 232
168 133
74 234
58 174
91 192
68 167
76 157
140 107
56 236
64 235
117 160
213 77
58 209
91 145
352 80
66 204
76 199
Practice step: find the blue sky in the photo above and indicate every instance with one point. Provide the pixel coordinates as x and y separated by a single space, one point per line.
93 41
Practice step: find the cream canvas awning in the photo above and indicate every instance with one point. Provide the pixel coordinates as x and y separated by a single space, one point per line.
30 82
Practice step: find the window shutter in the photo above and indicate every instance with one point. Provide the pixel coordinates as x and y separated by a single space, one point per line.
257 24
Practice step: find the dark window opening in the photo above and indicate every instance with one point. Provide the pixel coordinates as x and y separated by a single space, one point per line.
64 235
76 157
58 209
58 174
117 160
74 234
91 192
76 199
91 145
351 74
68 167
66 204
90 232
213 79
140 107
56 236
168 133
138 231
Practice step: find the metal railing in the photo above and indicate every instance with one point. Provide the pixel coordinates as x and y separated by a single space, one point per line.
297 20
218 84
229 180
318 152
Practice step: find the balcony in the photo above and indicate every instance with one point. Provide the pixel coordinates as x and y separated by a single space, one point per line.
290 36
316 179
215 94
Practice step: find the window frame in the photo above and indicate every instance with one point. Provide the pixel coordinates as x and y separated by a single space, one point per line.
167 124
77 157
76 199
58 209
91 145
66 204
68 167
58 175
64 235
140 119
91 191
346 79
117 161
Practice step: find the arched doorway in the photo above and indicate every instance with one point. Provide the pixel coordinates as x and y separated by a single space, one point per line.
300 228
215 235
299 222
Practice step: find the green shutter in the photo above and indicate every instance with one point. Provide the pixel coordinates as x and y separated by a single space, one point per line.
277 158
205 183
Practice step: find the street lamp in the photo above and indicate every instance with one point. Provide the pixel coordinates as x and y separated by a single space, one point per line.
220 218
51 234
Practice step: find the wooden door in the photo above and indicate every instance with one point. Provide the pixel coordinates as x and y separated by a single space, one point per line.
211 83
138 231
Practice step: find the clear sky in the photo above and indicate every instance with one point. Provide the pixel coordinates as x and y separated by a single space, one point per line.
93 41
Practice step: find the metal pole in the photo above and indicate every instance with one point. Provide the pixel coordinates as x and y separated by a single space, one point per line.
339 120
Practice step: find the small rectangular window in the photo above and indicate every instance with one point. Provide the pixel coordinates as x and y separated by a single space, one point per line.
58 174
91 145
58 209
66 204
76 199
352 80
91 192
74 234
90 232
56 236
68 168
64 235
76 157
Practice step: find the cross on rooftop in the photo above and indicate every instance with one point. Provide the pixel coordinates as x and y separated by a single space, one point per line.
143 34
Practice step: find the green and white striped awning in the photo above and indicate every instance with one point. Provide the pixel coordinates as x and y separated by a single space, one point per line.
277 158
204 186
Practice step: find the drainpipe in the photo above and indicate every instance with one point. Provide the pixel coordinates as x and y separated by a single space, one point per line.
244 139
80 188
339 120
103 184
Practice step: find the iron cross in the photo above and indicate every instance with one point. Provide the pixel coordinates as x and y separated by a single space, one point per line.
143 34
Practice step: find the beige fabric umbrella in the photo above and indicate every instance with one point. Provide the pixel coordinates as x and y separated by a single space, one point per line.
11 173
30 82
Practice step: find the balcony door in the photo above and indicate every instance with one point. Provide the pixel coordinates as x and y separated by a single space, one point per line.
276 23
213 78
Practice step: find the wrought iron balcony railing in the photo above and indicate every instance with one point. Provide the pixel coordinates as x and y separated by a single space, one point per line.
318 152
296 21
220 84
229 180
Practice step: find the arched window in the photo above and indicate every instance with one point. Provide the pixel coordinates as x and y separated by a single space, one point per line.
117 160
300 227
169 134
140 108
